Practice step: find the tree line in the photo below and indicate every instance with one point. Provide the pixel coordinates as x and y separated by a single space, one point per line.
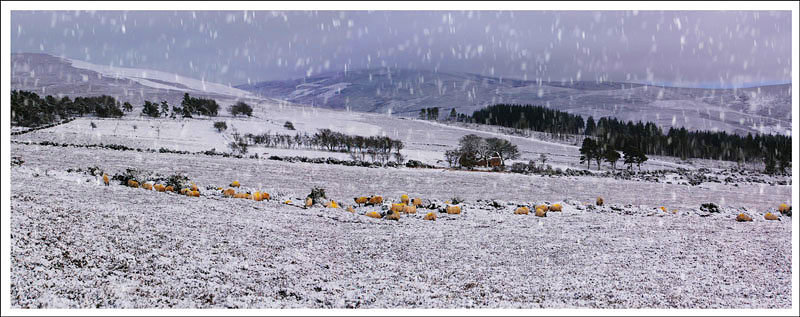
773 149
600 151
433 115
377 148
645 137
28 109
535 118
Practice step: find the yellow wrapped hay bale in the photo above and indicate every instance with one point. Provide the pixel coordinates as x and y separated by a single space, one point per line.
147 186
350 209
229 192
235 184
410 209
257 196
169 189
375 200
430 216
360 200
783 208
404 199
663 209
185 190
743 217
105 179
599 201
133 183
159 187
771 216
195 193
331 204
555 207
373 214
453 210
543 207
417 202
541 212
522 210
194 187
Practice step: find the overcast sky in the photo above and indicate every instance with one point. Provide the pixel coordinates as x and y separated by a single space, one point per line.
680 48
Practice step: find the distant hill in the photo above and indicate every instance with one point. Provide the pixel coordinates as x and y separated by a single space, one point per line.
50 75
765 109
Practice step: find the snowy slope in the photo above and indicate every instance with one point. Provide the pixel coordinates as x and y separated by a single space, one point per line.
406 91
50 75
161 80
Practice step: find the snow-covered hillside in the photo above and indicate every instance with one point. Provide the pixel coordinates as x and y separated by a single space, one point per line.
50 75
406 91
159 79
424 140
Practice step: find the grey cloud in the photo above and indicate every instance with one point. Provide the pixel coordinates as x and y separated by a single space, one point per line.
685 48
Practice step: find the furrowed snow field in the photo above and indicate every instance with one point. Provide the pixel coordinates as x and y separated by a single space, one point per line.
81 244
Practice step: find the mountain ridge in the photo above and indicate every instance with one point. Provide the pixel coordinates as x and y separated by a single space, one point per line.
762 109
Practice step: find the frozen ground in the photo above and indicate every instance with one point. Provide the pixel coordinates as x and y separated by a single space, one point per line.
76 243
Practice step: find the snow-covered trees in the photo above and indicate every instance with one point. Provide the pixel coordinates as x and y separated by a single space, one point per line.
206 107
378 148
220 126
241 108
150 109
473 150
505 149
30 110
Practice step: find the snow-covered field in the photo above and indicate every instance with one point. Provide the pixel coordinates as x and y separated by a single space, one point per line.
424 140
77 243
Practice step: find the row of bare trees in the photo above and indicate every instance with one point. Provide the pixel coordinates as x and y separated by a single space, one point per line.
376 148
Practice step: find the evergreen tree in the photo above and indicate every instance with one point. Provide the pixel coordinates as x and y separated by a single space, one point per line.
599 149
640 158
769 164
164 108
590 126
150 109
241 108
611 156
630 156
588 150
